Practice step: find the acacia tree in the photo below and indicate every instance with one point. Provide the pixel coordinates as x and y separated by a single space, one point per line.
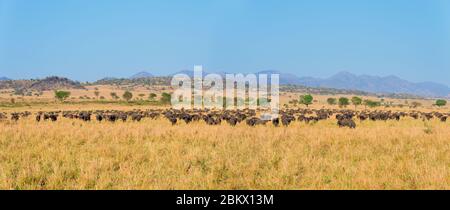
61 95
441 103
356 101
343 102
306 100
96 93
165 98
114 95
152 96
331 101
127 95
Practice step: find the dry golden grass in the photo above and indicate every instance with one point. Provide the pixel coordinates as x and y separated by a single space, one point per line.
69 154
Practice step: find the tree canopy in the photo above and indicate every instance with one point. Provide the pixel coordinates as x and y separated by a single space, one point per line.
356 101
343 102
306 99
61 95
441 102
127 95
331 101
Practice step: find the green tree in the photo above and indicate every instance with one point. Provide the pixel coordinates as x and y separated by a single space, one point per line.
61 95
152 96
331 101
441 102
306 100
343 102
165 98
356 101
371 103
127 95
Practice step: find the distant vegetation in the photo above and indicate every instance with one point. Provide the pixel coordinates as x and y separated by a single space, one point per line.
306 100
127 95
343 102
158 81
165 98
332 101
441 102
356 101
62 95
332 91
25 87
49 83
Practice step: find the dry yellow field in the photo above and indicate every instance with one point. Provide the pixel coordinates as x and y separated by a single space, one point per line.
153 154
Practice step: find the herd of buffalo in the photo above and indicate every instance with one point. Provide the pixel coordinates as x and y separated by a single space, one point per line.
345 118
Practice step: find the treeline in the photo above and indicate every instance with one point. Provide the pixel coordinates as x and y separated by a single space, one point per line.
126 96
356 101
333 91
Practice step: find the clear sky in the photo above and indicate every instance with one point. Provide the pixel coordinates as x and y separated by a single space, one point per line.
91 39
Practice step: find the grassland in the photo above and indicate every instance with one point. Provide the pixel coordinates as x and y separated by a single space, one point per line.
70 154
152 154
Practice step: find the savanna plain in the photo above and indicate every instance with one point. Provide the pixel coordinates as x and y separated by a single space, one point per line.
154 154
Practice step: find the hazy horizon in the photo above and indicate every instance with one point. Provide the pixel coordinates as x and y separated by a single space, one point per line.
89 40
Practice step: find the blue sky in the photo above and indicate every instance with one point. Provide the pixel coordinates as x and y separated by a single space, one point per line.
91 39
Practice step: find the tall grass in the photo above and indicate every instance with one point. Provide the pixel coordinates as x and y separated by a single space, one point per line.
153 154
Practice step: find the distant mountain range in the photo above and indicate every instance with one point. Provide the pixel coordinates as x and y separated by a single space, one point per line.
4 78
142 74
348 81
373 84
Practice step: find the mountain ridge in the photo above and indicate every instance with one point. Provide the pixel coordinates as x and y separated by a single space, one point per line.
378 84
142 74
4 78
349 81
